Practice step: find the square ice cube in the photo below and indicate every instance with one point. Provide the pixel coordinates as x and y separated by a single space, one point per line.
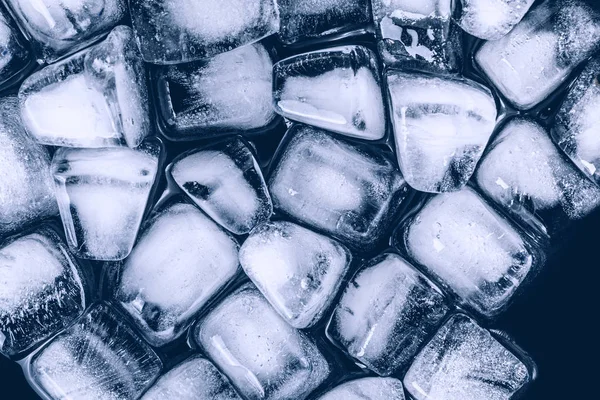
492 19
15 58
367 389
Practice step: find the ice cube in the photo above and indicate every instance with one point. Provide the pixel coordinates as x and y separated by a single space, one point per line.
192 103
524 173
58 28
26 189
367 389
297 270
177 31
441 126
95 98
226 182
387 312
336 89
264 357
15 58
180 261
349 191
529 63
417 34
43 290
465 362
102 195
470 249
492 19
314 19
194 379
99 357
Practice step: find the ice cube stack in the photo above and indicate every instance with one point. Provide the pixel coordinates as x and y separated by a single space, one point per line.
286 200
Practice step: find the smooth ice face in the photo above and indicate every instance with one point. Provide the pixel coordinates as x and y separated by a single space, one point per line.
177 31
96 98
314 19
15 56
337 89
386 313
180 261
348 191
226 182
297 270
262 355
470 249
42 290
26 190
492 19
102 195
464 362
99 358
61 27
441 126
367 388
193 104
524 172
194 379
529 63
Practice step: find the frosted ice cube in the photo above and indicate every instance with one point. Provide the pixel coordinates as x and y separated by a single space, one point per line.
367 389
102 195
336 89
177 31
262 355
314 19
387 312
523 172
180 261
470 249
15 56
349 191
42 291
194 379
226 182
192 102
492 19
26 190
95 98
297 270
99 357
441 126
529 63
58 28
465 362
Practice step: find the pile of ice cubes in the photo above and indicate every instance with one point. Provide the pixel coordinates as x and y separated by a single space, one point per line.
286 200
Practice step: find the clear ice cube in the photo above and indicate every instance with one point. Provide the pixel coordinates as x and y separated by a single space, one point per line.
349 191
98 358
195 378
492 19
386 313
297 270
180 261
367 389
538 55
26 189
102 196
262 355
95 98
43 290
15 57
337 89
441 127
178 31
465 362
226 182
58 28
192 103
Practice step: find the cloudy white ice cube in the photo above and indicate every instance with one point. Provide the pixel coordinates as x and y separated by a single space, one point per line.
492 19
367 388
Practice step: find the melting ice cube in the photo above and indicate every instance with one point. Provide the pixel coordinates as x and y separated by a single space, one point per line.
367 388
492 19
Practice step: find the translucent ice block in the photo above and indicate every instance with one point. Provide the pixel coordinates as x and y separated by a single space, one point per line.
15 58
367 389
492 19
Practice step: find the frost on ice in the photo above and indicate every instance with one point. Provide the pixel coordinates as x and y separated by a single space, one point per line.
15 56
492 19
367 389
297 270
262 355
441 127
337 89
180 261
386 313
